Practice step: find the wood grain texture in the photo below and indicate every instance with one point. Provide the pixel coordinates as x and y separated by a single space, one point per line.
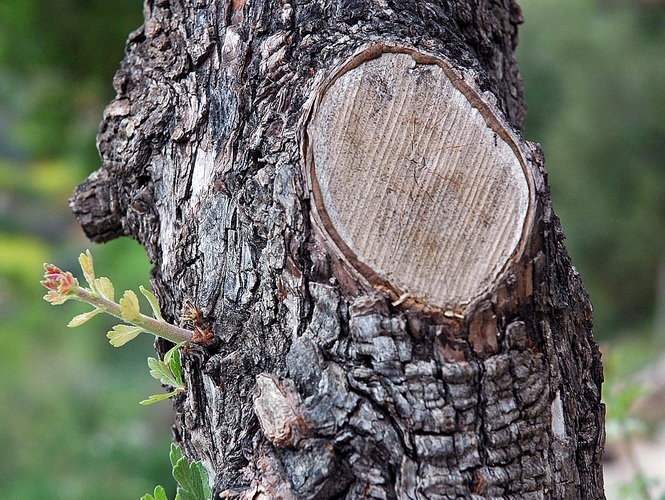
414 181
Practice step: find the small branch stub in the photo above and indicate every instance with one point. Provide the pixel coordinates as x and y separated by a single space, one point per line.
277 407
415 179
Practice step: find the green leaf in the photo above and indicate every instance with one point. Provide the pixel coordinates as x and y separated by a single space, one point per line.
85 259
161 371
174 365
129 306
193 480
172 359
105 287
82 318
159 397
175 454
196 487
170 353
192 477
152 300
121 334
158 494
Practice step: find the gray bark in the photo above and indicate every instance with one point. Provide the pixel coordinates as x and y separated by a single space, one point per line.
315 387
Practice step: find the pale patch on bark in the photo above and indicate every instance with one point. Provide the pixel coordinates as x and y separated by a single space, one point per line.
204 171
558 420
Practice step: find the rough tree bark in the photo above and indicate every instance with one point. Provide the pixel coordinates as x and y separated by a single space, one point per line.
438 347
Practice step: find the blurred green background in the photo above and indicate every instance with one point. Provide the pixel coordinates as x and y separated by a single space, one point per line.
594 77
71 425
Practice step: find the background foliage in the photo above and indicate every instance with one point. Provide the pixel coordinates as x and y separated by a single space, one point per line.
593 73
72 427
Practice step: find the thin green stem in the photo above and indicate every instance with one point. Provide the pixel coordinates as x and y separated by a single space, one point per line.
151 325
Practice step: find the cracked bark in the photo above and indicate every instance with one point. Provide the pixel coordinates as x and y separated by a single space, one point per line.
318 386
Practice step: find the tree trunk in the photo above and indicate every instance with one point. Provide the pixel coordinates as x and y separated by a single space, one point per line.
341 188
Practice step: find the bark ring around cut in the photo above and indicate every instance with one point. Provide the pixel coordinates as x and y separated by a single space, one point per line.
415 178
